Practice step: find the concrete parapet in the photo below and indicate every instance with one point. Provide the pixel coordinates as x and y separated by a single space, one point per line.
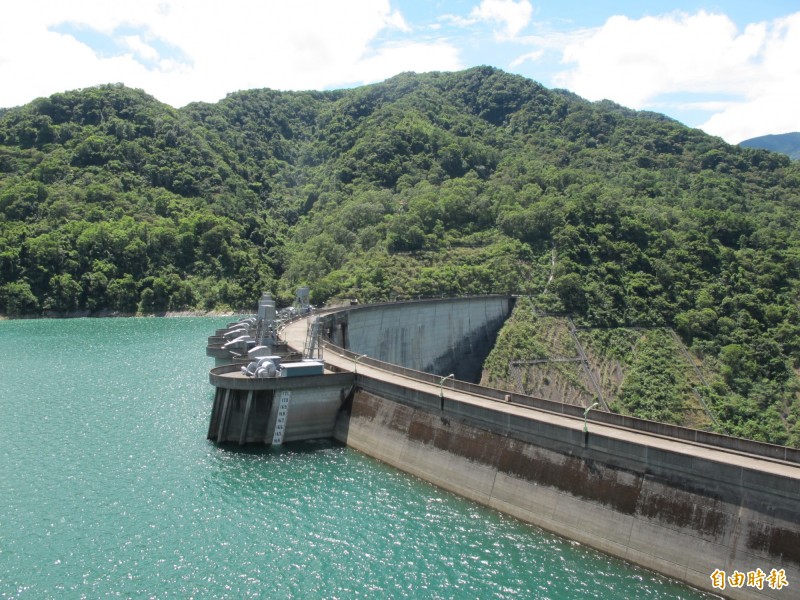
734 444
453 335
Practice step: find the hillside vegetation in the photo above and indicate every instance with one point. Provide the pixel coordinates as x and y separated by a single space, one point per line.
443 183
646 372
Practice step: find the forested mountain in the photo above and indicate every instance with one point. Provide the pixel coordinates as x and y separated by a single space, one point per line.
785 143
442 183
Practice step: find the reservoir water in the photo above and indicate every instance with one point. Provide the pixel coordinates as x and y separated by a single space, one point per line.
108 488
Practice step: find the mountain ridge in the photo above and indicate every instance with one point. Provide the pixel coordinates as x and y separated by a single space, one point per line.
422 185
785 143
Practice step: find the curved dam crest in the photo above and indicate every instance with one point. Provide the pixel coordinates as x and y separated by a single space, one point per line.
433 336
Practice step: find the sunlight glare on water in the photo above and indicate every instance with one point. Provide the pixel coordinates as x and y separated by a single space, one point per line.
108 487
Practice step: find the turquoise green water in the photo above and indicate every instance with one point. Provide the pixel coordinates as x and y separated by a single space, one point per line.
108 488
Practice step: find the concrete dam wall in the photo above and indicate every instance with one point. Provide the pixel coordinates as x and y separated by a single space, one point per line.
689 504
685 503
453 335
685 516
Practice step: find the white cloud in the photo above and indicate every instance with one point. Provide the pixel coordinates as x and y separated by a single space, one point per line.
534 56
140 47
185 50
397 21
512 16
182 50
392 59
771 100
634 62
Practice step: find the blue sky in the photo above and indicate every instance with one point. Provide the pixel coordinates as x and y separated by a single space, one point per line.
729 68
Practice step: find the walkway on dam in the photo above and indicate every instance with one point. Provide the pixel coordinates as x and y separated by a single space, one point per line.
295 334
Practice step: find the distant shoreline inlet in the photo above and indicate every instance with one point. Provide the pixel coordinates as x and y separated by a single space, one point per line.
396 381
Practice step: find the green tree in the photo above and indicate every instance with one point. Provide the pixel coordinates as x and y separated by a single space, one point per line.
122 294
17 299
64 294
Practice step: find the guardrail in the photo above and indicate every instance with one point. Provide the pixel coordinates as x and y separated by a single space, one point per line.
734 444
717 440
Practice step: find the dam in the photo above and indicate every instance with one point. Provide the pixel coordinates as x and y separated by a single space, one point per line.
720 513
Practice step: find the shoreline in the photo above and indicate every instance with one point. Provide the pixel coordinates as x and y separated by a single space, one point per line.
85 314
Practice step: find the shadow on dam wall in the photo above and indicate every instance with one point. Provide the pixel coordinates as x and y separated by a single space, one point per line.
440 336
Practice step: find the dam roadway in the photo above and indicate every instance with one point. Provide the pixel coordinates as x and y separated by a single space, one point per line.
296 332
690 504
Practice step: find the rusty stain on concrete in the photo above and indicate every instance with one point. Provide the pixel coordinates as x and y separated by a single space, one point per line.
774 541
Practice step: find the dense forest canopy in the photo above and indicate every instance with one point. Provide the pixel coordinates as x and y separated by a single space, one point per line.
442 183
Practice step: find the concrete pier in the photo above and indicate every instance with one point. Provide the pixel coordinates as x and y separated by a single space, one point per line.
248 410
